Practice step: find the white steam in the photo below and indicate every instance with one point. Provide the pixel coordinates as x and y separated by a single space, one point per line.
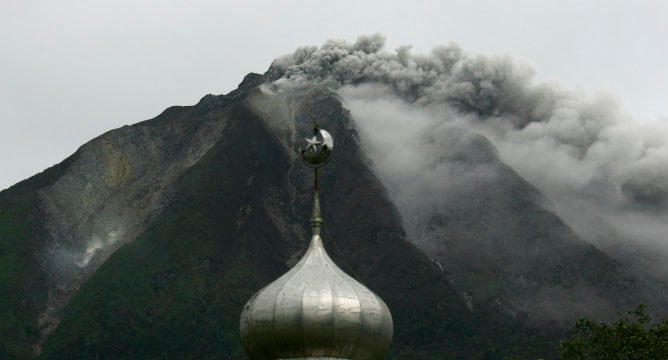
95 245
606 173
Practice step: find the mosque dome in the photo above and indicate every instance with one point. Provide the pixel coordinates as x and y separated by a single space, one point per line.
315 310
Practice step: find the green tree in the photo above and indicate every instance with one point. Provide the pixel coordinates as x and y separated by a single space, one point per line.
630 337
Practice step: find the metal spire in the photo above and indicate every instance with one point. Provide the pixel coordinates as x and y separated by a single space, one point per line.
315 310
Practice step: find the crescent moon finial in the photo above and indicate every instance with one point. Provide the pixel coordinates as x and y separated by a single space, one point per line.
316 154
318 148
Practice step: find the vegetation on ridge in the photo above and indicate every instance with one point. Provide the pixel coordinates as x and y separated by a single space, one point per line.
630 337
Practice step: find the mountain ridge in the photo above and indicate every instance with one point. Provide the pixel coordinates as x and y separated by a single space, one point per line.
225 212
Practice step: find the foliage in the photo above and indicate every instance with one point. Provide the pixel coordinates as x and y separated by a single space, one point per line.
630 337
17 328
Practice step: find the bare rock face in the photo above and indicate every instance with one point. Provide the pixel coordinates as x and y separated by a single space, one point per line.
111 191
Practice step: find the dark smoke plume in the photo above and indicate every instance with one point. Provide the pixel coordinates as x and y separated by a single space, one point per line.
605 172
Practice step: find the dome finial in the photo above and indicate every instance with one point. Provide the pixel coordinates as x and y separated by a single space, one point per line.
316 154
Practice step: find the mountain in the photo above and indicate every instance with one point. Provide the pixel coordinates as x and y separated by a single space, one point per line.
147 241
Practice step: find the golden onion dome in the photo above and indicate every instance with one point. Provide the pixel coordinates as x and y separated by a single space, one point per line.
315 310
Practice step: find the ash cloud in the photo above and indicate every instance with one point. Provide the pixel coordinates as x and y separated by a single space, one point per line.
605 172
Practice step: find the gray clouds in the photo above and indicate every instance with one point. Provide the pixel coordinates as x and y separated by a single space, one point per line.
602 169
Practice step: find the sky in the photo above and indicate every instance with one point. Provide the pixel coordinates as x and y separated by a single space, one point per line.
72 70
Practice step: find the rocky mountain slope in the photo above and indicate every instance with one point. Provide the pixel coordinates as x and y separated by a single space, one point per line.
148 240
496 237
